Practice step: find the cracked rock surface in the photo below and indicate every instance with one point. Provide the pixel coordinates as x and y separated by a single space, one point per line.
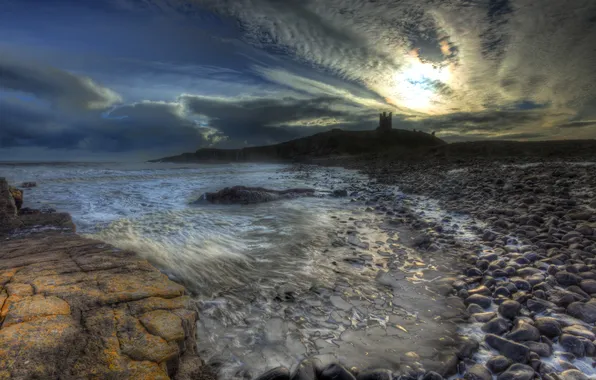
73 308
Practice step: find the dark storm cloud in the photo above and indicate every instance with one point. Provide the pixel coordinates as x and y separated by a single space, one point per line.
143 126
269 120
578 124
489 121
56 86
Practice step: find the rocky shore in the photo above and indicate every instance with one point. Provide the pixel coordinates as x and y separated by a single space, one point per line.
74 308
530 275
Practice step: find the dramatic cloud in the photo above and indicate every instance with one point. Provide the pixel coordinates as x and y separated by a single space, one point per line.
437 58
126 75
149 126
56 86
271 120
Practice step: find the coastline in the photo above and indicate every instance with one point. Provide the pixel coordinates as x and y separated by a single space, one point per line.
73 307
530 266
528 283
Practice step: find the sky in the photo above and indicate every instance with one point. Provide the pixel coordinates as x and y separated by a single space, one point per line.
139 79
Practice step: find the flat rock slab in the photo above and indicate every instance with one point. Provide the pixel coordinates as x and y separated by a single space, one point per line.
74 308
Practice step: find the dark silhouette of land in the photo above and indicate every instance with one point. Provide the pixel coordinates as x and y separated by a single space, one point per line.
391 144
336 142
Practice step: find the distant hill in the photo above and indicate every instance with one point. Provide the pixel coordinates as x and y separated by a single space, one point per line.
336 142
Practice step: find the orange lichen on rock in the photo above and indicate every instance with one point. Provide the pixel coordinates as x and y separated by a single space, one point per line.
71 307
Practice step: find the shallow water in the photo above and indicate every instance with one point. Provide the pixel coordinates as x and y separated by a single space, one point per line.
274 282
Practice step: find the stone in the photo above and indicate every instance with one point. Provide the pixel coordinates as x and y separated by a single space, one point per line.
432 376
542 349
340 193
71 309
376 374
24 309
588 286
335 371
17 196
584 311
573 374
537 305
513 350
478 299
497 326
139 345
572 344
478 372
517 372
8 209
509 309
497 364
164 324
523 331
484 317
248 195
578 330
307 369
566 279
279 373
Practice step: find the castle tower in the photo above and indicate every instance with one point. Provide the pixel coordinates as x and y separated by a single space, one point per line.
385 122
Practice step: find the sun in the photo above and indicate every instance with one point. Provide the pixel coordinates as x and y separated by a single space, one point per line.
415 85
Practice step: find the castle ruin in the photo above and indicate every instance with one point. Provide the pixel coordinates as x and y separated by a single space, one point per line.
384 122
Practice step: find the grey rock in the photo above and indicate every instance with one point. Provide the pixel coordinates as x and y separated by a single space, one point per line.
584 311
478 372
517 372
497 326
548 326
566 279
588 286
307 369
542 349
578 330
478 299
432 376
513 350
573 374
376 374
279 373
498 364
573 344
484 317
509 309
523 331
246 195
335 371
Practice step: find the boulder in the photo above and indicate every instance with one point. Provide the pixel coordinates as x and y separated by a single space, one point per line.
247 195
573 344
17 195
478 299
279 373
498 364
584 311
336 372
8 209
340 193
514 351
478 372
517 372
523 331
509 309
573 374
497 326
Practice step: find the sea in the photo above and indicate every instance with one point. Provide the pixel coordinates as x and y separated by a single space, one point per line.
275 282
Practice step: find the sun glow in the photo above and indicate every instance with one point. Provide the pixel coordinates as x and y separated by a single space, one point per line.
417 86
